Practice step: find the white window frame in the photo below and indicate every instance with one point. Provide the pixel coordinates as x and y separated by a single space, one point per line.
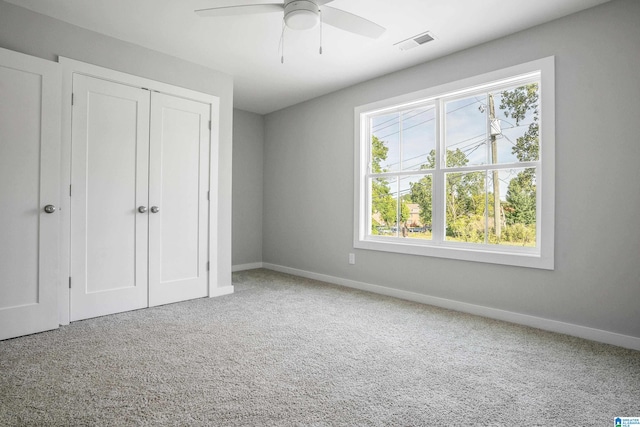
542 256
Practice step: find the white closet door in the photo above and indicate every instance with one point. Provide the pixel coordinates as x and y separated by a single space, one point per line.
29 181
110 157
179 176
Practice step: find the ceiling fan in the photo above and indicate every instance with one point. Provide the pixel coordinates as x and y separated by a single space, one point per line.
303 15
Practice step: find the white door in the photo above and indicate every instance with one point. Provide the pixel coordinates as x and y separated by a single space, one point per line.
29 181
178 187
109 222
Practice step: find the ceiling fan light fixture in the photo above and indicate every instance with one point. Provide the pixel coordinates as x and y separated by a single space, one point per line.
301 14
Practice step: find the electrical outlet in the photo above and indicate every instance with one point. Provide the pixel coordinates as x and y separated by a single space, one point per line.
352 259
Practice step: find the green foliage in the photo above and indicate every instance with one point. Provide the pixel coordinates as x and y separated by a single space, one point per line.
517 103
467 198
520 101
405 212
421 193
465 191
467 228
521 194
524 234
382 200
379 152
527 148
521 199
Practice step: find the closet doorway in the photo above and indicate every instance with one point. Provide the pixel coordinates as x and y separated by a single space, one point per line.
139 197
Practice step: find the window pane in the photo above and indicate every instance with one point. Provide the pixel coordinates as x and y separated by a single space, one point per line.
403 140
385 143
466 131
417 206
515 124
496 127
517 217
418 136
466 201
464 163
384 206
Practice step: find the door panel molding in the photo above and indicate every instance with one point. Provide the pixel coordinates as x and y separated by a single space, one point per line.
30 168
110 150
178 184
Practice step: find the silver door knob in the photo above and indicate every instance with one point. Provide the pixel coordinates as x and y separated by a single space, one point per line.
155 209
142 209
49 209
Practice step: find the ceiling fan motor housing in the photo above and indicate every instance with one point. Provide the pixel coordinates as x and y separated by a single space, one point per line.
301 14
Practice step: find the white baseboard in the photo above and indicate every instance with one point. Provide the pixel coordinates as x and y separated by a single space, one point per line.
218 292
250 266
599 335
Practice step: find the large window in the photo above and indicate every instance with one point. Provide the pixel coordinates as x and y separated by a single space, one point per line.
464 170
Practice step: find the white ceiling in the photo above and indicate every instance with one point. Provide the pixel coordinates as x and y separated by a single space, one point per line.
247 47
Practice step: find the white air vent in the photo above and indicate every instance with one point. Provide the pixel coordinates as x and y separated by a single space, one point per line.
415 41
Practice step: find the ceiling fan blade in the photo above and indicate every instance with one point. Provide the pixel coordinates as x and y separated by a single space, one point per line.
241 10
350 22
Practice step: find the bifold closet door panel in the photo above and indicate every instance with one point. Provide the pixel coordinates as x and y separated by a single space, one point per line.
29 182
178 186
109 221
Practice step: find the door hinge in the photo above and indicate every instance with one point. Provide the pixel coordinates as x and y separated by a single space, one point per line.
207 265
69 191
72 98
69 282
208 195
209 124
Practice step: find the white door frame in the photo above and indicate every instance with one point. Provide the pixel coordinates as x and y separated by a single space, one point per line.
71 66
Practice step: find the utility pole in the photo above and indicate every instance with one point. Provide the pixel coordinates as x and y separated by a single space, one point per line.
496 174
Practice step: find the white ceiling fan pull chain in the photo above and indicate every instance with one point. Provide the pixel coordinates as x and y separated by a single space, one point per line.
320 13
281 47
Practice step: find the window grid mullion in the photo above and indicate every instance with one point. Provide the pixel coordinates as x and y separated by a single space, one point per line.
438 245
437 190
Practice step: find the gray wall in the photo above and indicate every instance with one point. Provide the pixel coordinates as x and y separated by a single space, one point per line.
24 31
248 143
309 160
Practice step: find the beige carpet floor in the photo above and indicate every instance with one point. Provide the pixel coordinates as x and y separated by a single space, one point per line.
286 351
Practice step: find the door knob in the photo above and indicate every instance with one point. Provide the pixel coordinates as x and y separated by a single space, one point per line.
142 209
49 209
155 209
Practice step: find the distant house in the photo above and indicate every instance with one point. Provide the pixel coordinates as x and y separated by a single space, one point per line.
414 215
413 221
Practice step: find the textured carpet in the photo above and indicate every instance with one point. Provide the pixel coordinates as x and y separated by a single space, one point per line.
285 351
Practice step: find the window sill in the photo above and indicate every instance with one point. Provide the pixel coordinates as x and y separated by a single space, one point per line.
492 254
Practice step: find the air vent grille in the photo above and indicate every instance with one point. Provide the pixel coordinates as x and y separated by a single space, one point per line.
415 41
423 38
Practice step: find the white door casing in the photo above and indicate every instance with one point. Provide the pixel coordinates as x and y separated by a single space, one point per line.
178 192
29 180
110 152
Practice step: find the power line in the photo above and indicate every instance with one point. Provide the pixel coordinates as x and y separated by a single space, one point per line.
465 106
403 119
421 123
407 128
468 139
471 147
